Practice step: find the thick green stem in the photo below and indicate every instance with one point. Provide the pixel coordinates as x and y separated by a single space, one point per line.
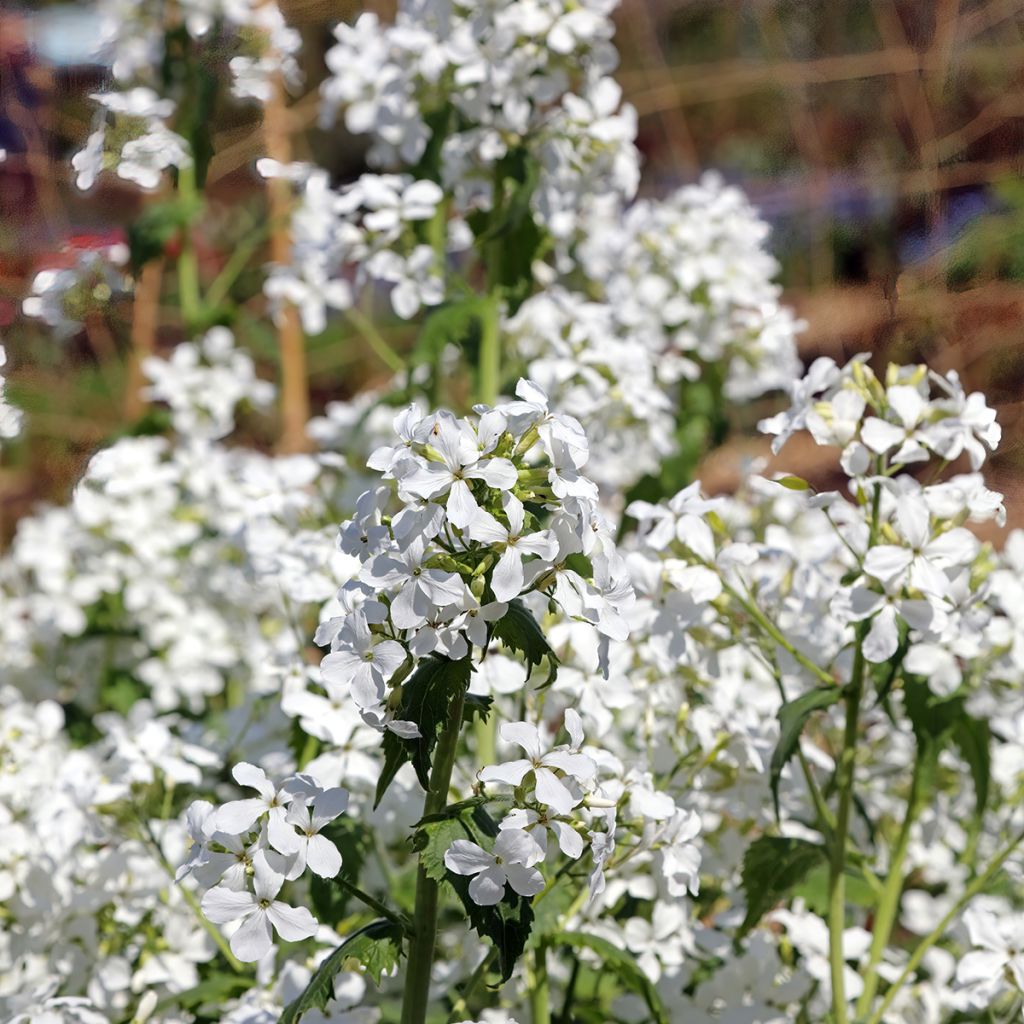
837 859
539 988
490 352
888 904
940 929
416 996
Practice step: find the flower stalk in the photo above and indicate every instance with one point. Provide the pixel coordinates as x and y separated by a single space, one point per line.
416 995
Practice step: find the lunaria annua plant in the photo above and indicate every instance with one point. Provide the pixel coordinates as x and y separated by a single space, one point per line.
543 733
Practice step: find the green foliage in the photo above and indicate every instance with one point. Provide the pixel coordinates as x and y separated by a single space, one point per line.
518 630
507 924
793 716
622 964
772 867
157 225
375 948
213 992
425 700
940 722
456 323
354 841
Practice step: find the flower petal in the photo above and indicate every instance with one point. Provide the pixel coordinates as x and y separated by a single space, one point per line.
221 905
292 923
322 857
466 858
254 938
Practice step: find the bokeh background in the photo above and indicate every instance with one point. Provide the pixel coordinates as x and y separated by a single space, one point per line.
883 140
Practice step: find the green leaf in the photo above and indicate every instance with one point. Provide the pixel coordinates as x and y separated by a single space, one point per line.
813 890
793 716
518 630
151 231
432 842
426 696
454 323
623 964
772 867
214 990
793 483
477 706
376 948
507 924
354 841
973 738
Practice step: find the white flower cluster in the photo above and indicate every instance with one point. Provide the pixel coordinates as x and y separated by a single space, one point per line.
530 73
155 570
467 541
64 297
552 785
669 288
134 133
263 840
366 230
204 382
143 144
91 919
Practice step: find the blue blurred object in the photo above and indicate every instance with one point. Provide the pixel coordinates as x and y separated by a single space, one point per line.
65 36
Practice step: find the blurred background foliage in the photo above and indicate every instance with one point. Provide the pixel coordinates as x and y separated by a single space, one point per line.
883 139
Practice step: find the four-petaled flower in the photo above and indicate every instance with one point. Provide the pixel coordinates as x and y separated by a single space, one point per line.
261 913
511 862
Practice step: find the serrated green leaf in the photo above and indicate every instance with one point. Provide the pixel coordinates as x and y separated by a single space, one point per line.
772 867
507 924
377 948
426 696
518 630
623 964
433 841
793 716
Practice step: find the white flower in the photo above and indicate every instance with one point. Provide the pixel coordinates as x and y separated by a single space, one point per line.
261 913
511 862
1000 952
922 560
363 662
239 816
316 851
548 787
507 581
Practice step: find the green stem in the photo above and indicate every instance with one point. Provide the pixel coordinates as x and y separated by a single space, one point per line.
236 263
570 993
837 858
371 901
211 929
188 267
461 1008
416 995
539 989
773 631
888 903
381 349
845 778
939 930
